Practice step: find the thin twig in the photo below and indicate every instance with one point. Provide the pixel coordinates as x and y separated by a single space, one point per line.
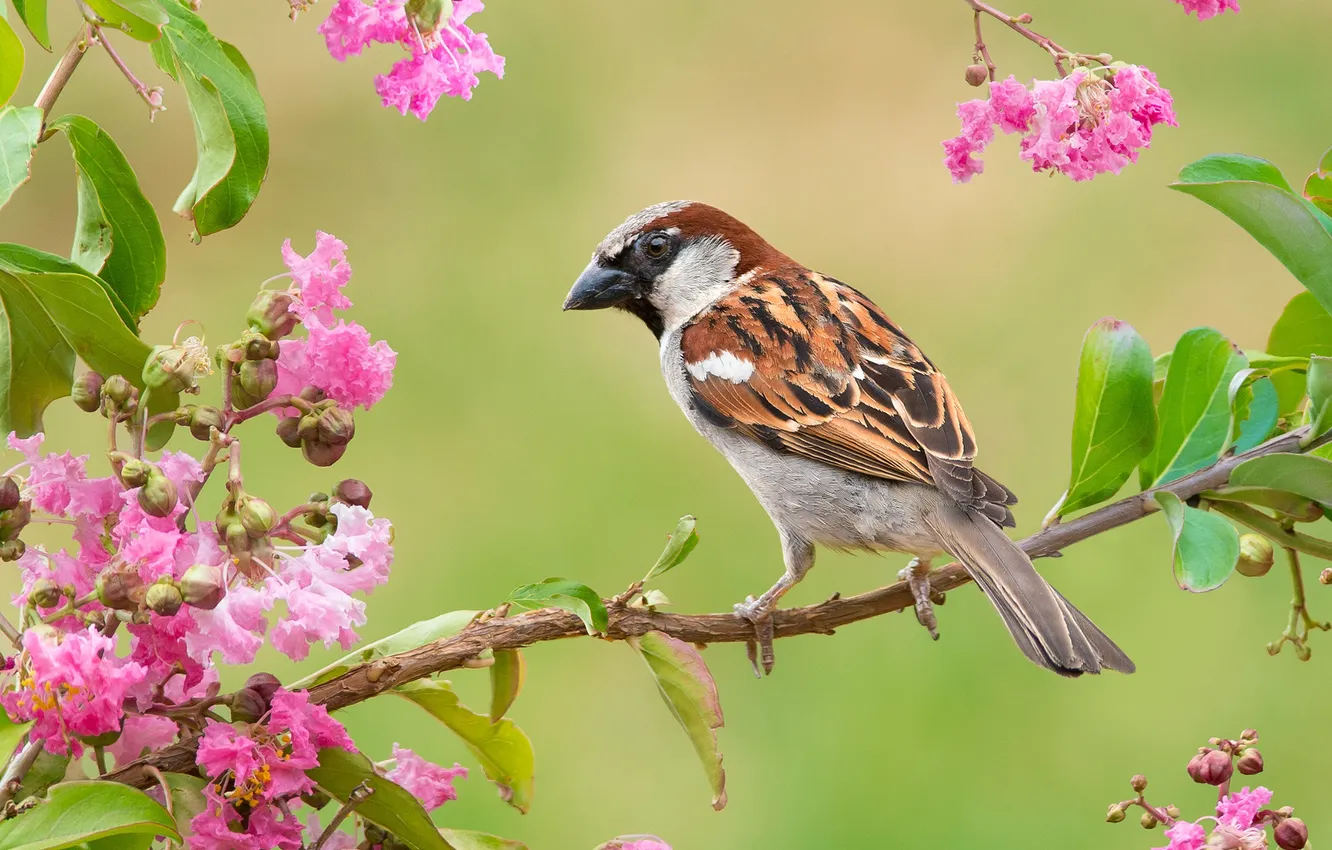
983 52
9 630
18 768
63 70
358 795
1056 52
151 96
497 633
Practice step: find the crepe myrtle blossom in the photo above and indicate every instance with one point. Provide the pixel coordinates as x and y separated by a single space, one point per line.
635 842
446 55
1088 123
428 782
1208 8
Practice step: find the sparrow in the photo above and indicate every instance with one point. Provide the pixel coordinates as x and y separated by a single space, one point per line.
844 430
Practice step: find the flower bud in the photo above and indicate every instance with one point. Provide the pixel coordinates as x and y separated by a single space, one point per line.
287 431
14 520
236 539
353 491
134 473
1249 734
255 381
9 494
157 496
322 454
175 368
316 799
164 598
203 419
1291 834
271 315
1115 814
259 347
45 593
202 586
425 14
87 392
257 516
1148 821
118 389
337 426
264 684
105 739
1139 782
1210 767
976 75
1250 762
1172 810
312 394
12 550
1325 577
1302 651
248 706
121 589
1255 555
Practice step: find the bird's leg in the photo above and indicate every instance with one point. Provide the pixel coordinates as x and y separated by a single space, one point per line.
917 576
799 556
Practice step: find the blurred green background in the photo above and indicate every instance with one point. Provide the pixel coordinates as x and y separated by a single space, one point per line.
520 443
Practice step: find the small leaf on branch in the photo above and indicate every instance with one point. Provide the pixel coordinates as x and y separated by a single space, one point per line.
415 635
391 806
142 20
1289 504
567 595
47 770
687 686
678 546
76 812
1319 388
11 734
1318 186
1114 421
504 751
11 60
1304 475
17 259
466 839
33 15
1194 413
1253 409
1206 546
187 799
1304 328
36 364
506 681
19 129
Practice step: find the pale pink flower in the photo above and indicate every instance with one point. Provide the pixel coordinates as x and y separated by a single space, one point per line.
1238 808
319 278
363 537
340 840
141 732
60 568
234 628
340 360
50 476
428 782
1208 8
1184 835
635 842
316 611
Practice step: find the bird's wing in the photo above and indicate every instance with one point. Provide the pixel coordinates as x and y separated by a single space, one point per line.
808 365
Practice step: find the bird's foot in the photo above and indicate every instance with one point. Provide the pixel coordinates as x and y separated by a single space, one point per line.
917 576
759 650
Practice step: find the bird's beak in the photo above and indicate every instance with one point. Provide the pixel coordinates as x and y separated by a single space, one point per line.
599 287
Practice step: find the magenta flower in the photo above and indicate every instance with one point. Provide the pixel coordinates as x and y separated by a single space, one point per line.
1185 835
72 685
1239 808
141 732
234 628
338 359
635 842
427 781
319 278
1208 8
351 25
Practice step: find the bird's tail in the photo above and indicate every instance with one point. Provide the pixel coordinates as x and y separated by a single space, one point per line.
1046 627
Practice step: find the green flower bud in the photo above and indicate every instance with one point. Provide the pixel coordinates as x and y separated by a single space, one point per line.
259 347
336 426
255 380
203 419
169 368
271 315
237 539
87 392
164 598
105 739
157 496
287 431
202 586
12 550
1255 555
134 473
1148 820
352 491
14 520
45 593
121 589
312 394
425 14
308 427
9 494
322 454
1115 814
1138 783
256 515
118 389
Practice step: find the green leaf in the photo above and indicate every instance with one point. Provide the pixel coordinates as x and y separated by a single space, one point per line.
1318 186
1264 497
33 15
690 693
1319 385
504 751
567 595
1221 167
17 259
11 734
1303 475
1206 546
45 772
237 59
230 124
11 60
187 799
118 236
75 812
1194 414
36 364
391 806
1114 421
19 128
506 681
1304 328
141 19
466 839
1261 419
678 546
1293 229
417 634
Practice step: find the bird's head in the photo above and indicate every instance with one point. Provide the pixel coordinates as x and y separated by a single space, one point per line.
669 261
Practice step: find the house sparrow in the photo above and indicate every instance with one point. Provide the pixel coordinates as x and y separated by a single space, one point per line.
843 429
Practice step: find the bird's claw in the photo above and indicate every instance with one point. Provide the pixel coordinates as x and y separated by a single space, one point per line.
917 576
759 651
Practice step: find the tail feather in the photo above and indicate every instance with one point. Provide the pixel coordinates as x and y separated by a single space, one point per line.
1045 626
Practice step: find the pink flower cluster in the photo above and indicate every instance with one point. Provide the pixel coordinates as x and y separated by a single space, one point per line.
444 61
1208 8
1088 123
428 782
336 356
1237 824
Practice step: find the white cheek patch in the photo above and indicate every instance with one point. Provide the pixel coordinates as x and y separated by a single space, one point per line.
724 365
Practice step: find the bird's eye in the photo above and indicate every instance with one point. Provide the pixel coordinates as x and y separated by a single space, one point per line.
656 245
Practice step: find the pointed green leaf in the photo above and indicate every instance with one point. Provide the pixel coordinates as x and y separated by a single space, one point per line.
19 128
75 812
1304 328
466 839
187 799
390 806
567 595
33 15
1318 186
36 364
17 259
1114 421
1206 546
118 236
506 681
45 772
237 59
1303 475
504 751
1194 414
1222 167
11 735
142 20
1294 230
678 546
688 688
1260 422
1264 497
11 60
1319 389
417 634
1275 363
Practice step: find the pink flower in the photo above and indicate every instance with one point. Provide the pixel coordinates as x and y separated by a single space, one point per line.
319 278
73 685
367 540
635 842
220 827
340 360
1184 835
234 628
1208 8
428 782
352 24
1238 808
141 732
160 645
336 841
316 611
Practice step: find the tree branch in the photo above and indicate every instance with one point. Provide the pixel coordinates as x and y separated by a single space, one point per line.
497 633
